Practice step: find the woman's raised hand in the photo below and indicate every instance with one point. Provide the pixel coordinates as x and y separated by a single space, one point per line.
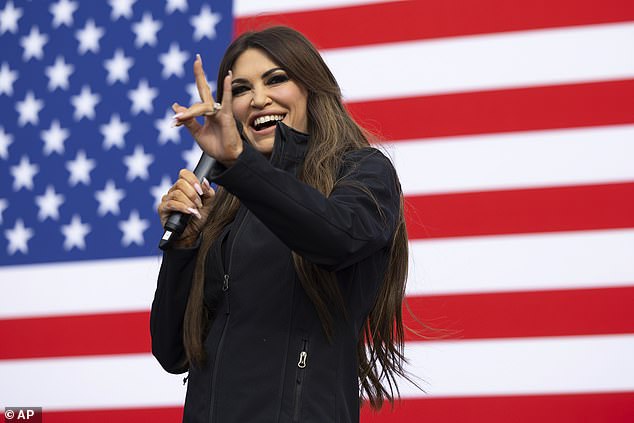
218 136
188 196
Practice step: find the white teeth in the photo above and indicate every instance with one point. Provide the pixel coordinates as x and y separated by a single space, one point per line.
263 119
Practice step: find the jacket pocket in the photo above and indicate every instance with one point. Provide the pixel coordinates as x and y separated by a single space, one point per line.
300 379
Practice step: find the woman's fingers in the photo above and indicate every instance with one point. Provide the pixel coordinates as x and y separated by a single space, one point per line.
201 81
208 191
227 94
194 111
190 181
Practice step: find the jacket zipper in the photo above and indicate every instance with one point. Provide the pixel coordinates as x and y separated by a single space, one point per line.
225 289
301 370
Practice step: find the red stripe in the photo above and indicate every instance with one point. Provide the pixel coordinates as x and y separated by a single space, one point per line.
615 407
95 334
468 316
423 19
123 415
521 314
522 109
595 408
554 209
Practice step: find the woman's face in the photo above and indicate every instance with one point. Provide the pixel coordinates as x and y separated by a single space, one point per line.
264 94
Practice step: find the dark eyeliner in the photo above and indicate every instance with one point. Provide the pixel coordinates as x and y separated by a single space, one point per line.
278 78
239 89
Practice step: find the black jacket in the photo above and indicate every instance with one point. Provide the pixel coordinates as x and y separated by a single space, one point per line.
267 357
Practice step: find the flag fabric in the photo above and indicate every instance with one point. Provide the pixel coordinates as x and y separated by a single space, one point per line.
510 123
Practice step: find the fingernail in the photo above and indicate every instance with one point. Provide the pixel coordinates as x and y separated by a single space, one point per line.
206 183
198 189
194 212
177 115
198 57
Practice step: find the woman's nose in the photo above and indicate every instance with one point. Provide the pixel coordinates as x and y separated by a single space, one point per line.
260 98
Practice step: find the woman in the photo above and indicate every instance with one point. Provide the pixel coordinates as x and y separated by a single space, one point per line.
283 296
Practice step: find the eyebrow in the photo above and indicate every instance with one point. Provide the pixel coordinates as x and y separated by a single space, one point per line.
264 75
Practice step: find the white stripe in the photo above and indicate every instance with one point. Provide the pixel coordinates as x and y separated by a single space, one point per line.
482 62
78 287
554 365
246 8
566 260
516 160
462 368
89 382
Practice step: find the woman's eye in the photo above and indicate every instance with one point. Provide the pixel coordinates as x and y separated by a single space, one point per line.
278 79
239 89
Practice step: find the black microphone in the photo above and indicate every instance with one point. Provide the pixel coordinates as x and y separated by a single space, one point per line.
177 221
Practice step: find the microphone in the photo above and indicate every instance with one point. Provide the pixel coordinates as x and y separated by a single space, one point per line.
177 221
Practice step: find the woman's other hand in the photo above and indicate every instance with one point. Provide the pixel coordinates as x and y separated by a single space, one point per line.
191 197
218 136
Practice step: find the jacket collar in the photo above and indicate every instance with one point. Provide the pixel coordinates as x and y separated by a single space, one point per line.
289 148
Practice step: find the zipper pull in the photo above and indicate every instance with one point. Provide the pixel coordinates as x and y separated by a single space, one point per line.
302 359
225 283
185 380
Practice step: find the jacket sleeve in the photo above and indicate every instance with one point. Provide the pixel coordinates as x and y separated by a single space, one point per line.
358 218
168 308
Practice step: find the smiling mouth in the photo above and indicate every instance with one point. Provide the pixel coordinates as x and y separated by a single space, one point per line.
267 121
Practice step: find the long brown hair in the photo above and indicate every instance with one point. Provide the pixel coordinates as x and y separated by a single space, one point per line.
332 132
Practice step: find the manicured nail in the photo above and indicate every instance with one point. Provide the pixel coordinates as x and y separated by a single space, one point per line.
177 115
198 189
194 212
198 57
206 183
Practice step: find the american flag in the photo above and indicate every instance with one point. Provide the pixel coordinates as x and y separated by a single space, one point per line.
511 124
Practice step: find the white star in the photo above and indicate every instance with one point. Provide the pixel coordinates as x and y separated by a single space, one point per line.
205 23
146 31
167 131
7 78
118 67
18 238
173 61
88 37
142 98
114 132
9 17
62 12
133 229
75 233
138 163
192 156
80 169
85 103
6 140
159 191
3 206
33 44
29 108
194 96
121 8
58 74
23 174
54 138
49 204
173 5
109 199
